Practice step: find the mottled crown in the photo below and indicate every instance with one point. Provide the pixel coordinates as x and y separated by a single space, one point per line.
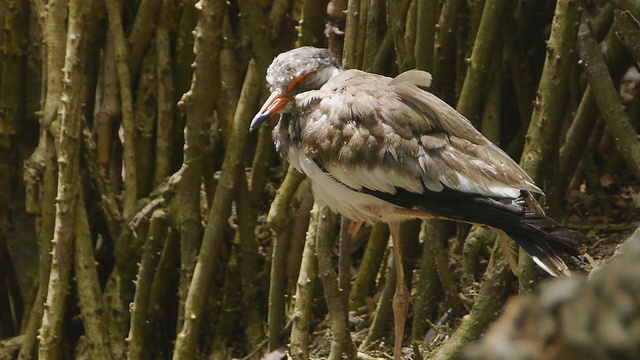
318 64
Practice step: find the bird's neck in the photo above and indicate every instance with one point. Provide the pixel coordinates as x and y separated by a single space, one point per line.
325 74
287 133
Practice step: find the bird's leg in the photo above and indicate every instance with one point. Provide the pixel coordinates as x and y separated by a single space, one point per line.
401 296
354 227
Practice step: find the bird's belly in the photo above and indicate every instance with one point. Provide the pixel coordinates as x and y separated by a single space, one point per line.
343 199
349 203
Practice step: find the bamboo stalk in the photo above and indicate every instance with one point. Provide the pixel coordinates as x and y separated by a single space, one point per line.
427 16
608 100
301 316
628 5
40 170
491 122
383 317
383 54
340 337
186 340
548 111
363 285
165 104
396 18
199 107
137 339
230 311
258 31
474 245
144 112
249 262
299 231
371 37
583 123
68 182
141 33
278 219
349 53
126 101
311 27
278 212
628 31
444 68
479 64
278 14
89 292
277 288
344 267
410 33
161 304
109 110
13 66
363 18
429 285
484 311
447 280
520 71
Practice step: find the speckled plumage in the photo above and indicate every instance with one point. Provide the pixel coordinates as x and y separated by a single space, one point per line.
360 120
375 146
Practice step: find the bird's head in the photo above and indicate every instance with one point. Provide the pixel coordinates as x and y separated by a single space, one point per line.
294 72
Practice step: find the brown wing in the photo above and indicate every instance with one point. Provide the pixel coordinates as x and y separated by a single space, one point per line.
376 132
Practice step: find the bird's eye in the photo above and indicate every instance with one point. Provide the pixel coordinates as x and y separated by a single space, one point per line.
300 79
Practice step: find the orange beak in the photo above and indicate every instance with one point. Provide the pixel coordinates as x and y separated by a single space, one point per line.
273 105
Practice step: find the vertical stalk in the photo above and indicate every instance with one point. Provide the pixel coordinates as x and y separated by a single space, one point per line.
68 148
548 111
126 99
186 340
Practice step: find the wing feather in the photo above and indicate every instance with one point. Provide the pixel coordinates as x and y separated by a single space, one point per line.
380 133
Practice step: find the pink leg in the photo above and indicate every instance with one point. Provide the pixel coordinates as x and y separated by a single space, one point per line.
401 296
354 227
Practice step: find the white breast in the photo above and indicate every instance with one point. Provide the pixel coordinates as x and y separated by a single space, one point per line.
342 199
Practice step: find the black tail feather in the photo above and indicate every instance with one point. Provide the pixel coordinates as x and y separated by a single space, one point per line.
544 239
539 235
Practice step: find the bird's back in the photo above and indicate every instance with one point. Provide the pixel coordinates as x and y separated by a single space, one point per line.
359 121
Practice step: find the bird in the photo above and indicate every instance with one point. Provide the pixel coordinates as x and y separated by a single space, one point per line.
386 149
